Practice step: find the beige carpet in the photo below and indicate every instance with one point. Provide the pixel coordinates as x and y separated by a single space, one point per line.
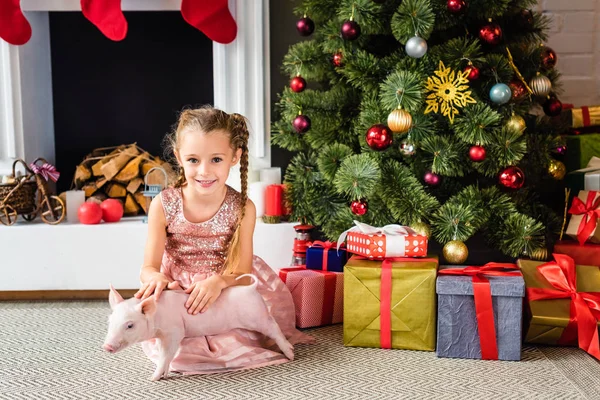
51 350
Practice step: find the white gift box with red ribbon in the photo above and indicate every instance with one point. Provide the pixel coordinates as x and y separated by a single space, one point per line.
384 242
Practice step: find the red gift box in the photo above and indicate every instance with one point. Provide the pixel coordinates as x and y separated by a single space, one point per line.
587 254
318 295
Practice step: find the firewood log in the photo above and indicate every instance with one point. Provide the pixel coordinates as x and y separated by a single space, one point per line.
130 171
116 190
112 168
131 206
134 185
82 174
142 201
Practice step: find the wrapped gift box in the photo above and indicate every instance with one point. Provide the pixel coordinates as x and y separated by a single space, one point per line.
588 254
318 295
582 225
587 178
458 333
548 320
408 307
324 256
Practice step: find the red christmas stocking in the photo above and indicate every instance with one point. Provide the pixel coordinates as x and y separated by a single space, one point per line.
14 27
212 17
107 16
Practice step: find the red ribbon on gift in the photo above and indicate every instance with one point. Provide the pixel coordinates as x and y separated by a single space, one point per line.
385 296
328 292
326 246
585 306
47 171
482 293
590 211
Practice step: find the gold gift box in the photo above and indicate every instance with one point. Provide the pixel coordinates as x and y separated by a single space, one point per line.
413 305
548 318
575 220
578 116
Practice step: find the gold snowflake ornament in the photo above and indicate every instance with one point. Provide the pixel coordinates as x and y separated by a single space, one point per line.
447 91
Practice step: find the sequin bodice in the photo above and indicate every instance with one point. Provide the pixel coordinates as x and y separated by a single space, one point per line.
197 248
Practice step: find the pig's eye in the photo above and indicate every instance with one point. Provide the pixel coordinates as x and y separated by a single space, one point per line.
130 325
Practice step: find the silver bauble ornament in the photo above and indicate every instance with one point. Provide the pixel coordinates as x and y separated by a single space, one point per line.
407 147
500 93
540 85
416 47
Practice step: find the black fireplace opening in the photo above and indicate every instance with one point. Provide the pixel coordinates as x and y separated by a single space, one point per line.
109 93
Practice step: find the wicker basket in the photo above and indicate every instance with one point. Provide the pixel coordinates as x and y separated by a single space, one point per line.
22 199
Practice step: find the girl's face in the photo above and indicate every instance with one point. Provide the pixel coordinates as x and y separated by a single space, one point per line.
206 159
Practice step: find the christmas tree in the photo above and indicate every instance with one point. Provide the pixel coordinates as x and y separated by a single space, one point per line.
426 113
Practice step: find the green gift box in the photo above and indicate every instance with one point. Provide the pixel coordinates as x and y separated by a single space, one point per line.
412 305
581 149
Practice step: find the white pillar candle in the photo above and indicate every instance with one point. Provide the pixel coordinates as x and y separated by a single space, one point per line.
256 193
75 198
271 176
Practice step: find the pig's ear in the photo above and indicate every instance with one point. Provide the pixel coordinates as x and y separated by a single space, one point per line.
114 297
147 306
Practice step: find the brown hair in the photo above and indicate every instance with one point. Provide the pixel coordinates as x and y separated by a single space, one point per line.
208 119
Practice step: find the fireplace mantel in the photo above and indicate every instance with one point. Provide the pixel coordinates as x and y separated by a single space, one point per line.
241 79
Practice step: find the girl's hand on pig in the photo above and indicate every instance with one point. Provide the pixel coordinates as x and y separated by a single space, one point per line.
155 286
204 293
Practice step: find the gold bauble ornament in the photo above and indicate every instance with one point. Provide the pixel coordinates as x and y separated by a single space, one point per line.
516 123
557 169
421 228
540 85
399 121
540 254
455 252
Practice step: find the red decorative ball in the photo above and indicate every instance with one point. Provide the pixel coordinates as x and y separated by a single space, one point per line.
112 210
301 123
525 18
456 6
512 178
519 91
305 26
473 72
552 107
297 84
350 30
359 207
379 137
548 58
491 33
89 213
477 153
431 178
337 59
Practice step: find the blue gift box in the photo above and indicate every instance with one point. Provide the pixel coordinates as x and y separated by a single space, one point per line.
335 260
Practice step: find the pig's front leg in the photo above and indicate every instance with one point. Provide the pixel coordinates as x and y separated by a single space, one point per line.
167 349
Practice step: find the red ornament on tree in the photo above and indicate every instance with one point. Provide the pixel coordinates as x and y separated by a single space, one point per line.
305 26
337 59
298 84
548 58
477 153
359 207
456 6
432 179
473 72
519 91
552 107
350 30
379 137
301 123
491 33
512 178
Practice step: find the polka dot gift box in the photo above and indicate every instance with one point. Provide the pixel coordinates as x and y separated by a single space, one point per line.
388 241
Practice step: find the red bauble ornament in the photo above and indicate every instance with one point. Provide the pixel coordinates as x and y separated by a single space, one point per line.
491 33
301 123
456 6
548 58
473 72
350 30
519 91
112 210
337 59
297 84
379 137
512 178
89 213
305 26
359 207
552 107
477 153
431 178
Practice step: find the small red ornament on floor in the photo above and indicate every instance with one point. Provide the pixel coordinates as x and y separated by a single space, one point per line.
512 178
298 84
491 33
431 178
379 137
301 123
14 27
305 26
337 59
359 207
456 6
473 72
477 153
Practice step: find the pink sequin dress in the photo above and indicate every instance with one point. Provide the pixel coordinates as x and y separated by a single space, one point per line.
195 251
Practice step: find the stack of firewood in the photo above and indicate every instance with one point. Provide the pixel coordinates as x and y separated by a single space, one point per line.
119 172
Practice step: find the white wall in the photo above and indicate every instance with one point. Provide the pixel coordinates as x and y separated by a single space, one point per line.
575 36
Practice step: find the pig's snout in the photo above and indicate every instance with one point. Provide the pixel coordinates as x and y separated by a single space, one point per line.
109 348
